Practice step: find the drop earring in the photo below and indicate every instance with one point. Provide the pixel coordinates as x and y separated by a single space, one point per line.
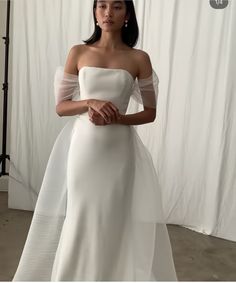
126 23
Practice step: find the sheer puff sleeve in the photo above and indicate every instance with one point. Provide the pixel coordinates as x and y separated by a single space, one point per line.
66 85
145 91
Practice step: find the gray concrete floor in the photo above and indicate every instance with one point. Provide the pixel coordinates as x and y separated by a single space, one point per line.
197 257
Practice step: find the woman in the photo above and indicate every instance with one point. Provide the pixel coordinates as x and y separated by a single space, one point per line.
99 214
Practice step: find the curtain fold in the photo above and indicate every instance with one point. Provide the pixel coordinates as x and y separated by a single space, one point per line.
192 49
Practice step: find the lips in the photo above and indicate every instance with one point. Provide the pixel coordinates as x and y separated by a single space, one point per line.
108 22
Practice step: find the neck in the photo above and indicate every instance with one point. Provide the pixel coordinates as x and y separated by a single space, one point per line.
110 41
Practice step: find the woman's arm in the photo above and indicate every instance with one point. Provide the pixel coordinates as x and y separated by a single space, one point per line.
69 107
143 117
148 115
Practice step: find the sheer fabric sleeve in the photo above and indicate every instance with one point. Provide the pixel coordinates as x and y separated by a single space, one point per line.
66 85
145 91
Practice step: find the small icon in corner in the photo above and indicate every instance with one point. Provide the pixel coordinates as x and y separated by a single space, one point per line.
219 4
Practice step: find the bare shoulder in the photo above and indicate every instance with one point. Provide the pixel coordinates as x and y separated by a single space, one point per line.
140 52
144 63
72 58
76 50
79 47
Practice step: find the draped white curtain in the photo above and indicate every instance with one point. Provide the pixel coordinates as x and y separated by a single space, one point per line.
193 50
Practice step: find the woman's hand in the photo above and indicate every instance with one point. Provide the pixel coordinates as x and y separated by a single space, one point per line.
106 109
96 118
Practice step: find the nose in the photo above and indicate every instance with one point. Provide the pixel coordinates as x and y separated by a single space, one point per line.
108 12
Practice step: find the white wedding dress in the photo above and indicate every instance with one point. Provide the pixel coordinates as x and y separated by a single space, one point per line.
112 226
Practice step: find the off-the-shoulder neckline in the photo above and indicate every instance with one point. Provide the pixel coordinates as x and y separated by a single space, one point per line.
112 69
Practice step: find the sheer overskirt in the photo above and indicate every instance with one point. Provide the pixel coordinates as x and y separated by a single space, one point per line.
146 222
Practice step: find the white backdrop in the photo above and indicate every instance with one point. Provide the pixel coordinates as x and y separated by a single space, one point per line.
193 50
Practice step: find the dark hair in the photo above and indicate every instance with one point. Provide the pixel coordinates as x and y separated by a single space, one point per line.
129 34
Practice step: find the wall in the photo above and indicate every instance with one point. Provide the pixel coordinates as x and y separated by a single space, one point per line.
3 12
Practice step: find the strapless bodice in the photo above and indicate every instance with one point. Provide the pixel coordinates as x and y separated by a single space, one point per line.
113 85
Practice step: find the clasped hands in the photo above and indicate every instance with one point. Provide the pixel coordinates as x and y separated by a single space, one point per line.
103 113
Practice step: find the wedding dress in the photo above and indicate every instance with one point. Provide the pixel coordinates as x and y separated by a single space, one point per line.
99 214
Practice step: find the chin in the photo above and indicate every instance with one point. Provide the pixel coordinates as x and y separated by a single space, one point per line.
109 29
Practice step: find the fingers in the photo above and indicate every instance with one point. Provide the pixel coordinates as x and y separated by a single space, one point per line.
105 109
110 112
98 121
96 118
91 111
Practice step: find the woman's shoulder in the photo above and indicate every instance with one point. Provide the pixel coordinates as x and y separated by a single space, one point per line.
78 47
140 54
144 63
76 51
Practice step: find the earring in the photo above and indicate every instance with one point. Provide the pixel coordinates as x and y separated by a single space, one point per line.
97 23
126 23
